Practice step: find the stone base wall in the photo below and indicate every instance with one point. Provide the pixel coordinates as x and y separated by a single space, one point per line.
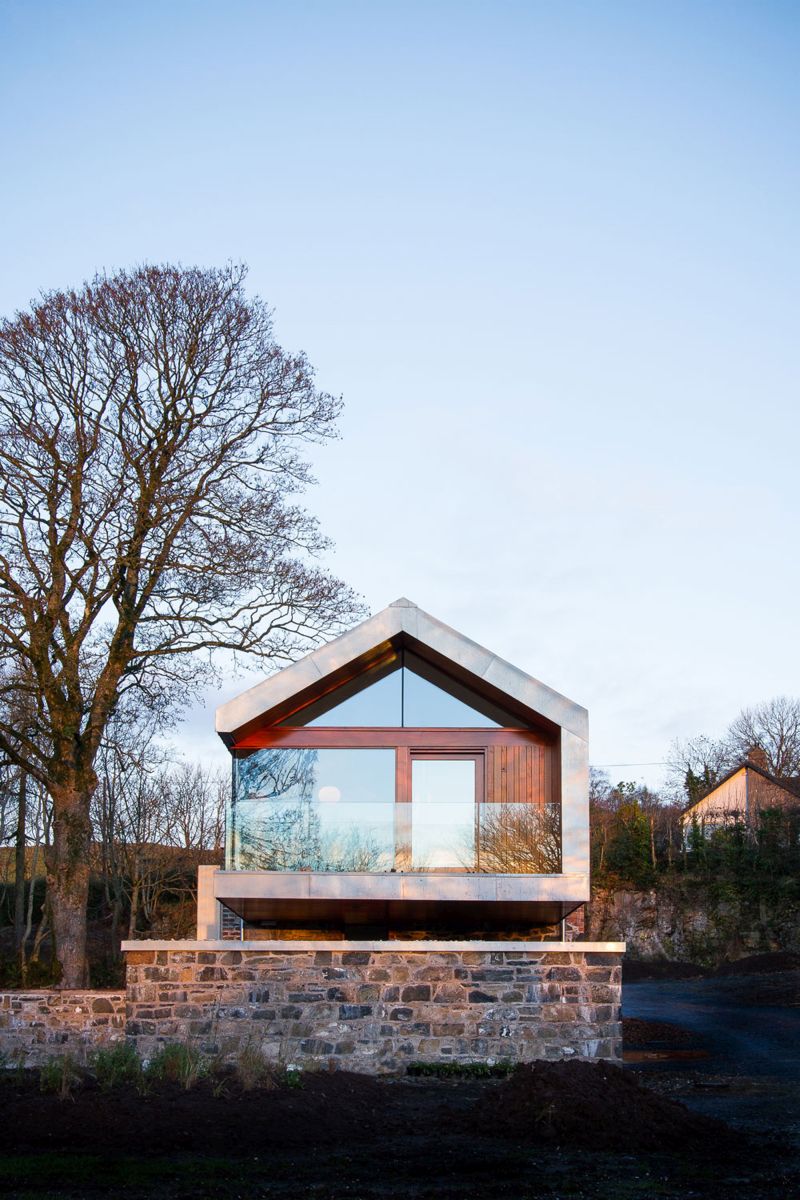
38 1025
376 1010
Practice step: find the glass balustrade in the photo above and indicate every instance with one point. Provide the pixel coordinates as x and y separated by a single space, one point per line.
335 810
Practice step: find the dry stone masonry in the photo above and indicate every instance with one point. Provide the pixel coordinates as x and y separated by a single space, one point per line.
38 1025
376 1010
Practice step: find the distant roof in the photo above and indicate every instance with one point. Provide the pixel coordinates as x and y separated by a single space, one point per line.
400 623
790 786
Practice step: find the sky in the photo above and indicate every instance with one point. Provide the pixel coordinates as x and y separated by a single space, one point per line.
548 255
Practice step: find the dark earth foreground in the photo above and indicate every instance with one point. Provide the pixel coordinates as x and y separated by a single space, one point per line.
551 1130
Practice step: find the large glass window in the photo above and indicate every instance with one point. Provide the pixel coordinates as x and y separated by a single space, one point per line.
317 810
370 809
407 692
378 704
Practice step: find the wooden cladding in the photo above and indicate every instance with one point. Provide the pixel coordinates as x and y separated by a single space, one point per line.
520 773
317 737
519 766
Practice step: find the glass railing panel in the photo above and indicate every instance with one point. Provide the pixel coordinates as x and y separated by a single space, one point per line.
335 810
308 835
490 838
519 839
441 835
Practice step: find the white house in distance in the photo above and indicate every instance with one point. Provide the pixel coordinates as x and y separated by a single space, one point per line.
407 839
741 795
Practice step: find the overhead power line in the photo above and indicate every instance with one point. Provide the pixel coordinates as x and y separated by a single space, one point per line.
639 764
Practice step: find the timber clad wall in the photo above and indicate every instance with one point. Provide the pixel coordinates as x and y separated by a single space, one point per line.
377 1011
519 774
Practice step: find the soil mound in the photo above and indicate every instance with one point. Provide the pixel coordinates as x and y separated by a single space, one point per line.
636 1032
591 1106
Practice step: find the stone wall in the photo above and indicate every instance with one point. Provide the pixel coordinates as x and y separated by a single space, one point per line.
38 1025
377 1009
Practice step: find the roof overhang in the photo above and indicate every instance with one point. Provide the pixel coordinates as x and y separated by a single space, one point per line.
401 624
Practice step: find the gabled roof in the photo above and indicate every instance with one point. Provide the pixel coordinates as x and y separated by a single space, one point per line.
790 786
402 623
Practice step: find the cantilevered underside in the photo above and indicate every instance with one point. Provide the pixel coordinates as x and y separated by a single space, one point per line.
398 901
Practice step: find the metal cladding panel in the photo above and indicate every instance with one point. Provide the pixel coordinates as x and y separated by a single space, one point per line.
575 849
232 887
401 618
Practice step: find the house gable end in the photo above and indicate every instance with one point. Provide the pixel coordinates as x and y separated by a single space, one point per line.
374 646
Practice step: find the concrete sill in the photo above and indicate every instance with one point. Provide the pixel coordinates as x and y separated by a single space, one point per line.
266 945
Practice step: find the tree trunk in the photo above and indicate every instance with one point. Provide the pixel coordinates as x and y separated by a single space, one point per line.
19 863
116 917
68 882
134 911
41 930
23 948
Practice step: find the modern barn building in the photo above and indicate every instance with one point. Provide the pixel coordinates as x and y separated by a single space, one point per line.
407 859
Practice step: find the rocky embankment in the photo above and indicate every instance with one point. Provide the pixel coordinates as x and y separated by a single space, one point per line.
689 922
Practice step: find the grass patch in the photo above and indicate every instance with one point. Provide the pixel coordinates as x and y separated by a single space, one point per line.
66 1175
456 1070
113 1066
61 1075
178 1062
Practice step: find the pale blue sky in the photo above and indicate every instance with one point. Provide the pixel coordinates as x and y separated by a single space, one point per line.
549 255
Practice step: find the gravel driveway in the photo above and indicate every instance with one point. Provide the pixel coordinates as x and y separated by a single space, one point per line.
751 1075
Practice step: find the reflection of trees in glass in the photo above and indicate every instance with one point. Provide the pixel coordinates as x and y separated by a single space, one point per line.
519 838
279 825
274 836
268 774
278 837
353 849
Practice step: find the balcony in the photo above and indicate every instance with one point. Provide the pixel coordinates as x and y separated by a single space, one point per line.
365 810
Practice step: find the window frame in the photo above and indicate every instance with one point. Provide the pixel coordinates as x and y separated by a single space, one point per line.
407 797
408 743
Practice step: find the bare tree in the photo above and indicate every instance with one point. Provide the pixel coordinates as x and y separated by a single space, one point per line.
697 764
150 436
154 821
195 802
629 821
131 819
773 727
38 835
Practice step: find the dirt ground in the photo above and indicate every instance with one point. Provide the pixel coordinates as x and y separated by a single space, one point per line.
552 1130
771 978
741 1062
585 1106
